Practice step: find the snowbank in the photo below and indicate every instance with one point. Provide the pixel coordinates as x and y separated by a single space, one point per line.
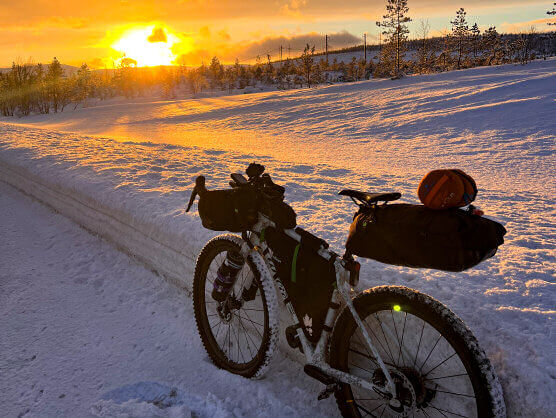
497 124
88 332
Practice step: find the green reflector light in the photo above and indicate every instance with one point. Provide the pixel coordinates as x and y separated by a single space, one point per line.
397 308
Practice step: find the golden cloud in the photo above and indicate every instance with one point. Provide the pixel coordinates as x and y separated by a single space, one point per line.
158 35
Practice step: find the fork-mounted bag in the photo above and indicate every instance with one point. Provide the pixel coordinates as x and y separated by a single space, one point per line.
415 236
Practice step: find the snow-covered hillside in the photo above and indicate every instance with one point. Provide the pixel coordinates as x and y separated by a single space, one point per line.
497 124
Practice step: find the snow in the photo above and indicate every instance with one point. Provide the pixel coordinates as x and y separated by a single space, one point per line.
86 331
139 161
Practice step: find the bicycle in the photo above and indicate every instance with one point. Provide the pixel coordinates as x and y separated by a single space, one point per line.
388 351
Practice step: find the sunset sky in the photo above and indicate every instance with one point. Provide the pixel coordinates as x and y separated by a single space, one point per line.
151 32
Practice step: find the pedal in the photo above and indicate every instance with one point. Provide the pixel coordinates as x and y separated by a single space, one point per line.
329 390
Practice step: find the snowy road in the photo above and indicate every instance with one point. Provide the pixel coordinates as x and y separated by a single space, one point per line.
86 330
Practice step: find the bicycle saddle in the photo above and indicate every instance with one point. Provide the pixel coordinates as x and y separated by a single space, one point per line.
370 198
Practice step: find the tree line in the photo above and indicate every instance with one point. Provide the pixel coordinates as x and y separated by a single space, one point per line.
33 88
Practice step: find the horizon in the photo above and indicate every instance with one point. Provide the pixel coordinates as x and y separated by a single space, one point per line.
190 33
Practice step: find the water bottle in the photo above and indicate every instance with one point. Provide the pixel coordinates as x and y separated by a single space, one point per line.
226 275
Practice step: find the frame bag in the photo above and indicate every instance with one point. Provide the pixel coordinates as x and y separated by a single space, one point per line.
308 278
416 236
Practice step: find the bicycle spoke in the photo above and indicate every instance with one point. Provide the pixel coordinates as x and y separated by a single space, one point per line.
250 320
364 355
448 412
419 345
362 368
364 410
385 339
403 333
432 349
455 394
396 331
439 364
446 377
217 331
375 338
247 337
424 412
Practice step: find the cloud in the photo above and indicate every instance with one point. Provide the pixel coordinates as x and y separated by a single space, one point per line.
96 63
540 25
293 8
158 35
294 44
205 32
224 35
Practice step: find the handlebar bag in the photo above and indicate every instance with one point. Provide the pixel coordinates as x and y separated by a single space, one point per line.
416 236
307 277
233 210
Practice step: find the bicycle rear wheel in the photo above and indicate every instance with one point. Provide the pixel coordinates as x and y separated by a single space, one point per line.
434 359
239 334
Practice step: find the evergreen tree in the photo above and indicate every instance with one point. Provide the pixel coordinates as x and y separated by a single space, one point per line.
82 86
460 35
475 40
552 13
55 86
491 45
307 63
216 71
395 28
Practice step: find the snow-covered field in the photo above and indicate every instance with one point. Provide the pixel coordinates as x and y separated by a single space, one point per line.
498 124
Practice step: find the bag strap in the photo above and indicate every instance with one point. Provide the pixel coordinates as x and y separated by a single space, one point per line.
293 276
434 190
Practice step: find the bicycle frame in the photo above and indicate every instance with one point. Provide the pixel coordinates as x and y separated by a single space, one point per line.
316 356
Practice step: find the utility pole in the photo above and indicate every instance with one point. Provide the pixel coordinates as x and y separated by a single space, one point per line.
326 47
365 46
289 50
280 52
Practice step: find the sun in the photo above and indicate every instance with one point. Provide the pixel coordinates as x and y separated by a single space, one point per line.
148 46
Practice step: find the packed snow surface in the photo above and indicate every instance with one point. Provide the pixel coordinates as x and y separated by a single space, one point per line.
86 331
498 124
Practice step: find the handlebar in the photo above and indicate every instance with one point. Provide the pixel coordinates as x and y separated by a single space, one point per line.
258 179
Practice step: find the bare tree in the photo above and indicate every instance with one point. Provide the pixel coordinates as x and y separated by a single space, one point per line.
424 49
552 13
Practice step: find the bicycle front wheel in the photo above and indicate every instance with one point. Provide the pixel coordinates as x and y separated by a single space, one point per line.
240 333
434 360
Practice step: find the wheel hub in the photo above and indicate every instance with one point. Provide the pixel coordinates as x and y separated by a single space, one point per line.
407 394
226 309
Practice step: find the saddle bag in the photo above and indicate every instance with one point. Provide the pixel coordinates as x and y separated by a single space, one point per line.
416 236
307 277
443 189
